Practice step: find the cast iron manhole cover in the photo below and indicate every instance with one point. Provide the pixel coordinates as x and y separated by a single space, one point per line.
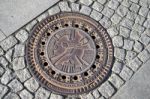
69 53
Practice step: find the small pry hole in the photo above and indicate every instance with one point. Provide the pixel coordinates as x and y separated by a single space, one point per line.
86 30
86 74
97 46
56 28
45 63
48 34
66 24
76 25
63 77
42 53
53 72
93 66
97 56
43 43
93 37
75 77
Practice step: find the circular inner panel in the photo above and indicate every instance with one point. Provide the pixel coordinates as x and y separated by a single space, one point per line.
69 53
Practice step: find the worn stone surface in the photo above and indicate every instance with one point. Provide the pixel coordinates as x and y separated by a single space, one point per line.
41 17
113 4
143 11
9 54
96 94
147 32
107 12
135 64
2 35
122 10
135 35
64 6
97 6
148 48
7 77
23 74
3 90
130 55
112 31
144 55
8 43
139 19
134 7
24 94
145 39
135 1
96 15
119 53
42 93
53 10
106 90
115 18
85 10
19 50
11 96
117 67
75 7
126 73
102 1
54 96
22 35
127 23
105 22
1 71
116 81
147 23
138 47
31 25
101 98
131 15
15 85
124 32
128 44
118 41
138 28
86 2
1 51
3 61
31 84
18 63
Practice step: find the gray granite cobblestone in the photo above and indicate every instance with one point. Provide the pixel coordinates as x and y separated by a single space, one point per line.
106 90
85 10
97 6
54 10
15 85
24 94
8 43
116 80
126 73
64 6
42 94
22 35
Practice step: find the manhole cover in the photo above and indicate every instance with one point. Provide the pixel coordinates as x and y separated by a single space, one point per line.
69 53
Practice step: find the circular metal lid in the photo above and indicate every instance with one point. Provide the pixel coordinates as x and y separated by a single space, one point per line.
69 53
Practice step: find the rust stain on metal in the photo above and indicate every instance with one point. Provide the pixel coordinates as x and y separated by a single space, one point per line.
69 53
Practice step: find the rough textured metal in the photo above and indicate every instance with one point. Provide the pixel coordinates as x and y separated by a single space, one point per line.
69 53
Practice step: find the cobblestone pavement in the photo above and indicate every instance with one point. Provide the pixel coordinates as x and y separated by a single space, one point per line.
128 24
